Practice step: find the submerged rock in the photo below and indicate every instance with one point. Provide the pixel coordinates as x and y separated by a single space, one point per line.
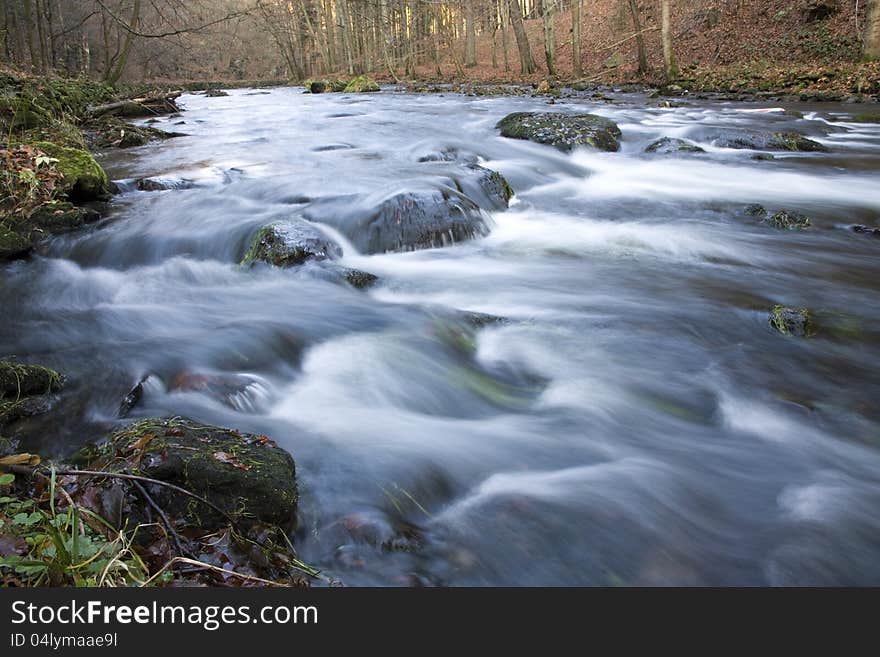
797 322
245 475
83 179
564 131
359 279
785 220
215 93
242 392
758 141
488 188
866 230
158 184
291 242
668 145
403 221
867 117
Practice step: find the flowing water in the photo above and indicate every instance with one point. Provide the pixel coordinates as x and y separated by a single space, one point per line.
634 421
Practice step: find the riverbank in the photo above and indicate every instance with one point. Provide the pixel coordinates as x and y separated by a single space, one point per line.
142 517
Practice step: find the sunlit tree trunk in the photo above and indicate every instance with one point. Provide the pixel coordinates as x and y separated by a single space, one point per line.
871 51
666 33
470 40
526 61
577 69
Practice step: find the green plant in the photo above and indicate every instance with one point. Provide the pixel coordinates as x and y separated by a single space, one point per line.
65 546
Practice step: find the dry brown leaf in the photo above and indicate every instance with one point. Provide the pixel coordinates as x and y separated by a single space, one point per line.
20 459
225 457
142 442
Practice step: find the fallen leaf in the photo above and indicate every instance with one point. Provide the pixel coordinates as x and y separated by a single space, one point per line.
12 546
20 459
142 442
225 457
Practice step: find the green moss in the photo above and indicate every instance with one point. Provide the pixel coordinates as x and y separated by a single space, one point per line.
785 220
797 322
83 177
361 84
13 244
867 117
564 131
245 475
17 380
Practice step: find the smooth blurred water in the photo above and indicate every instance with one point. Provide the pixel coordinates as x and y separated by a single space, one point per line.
636 421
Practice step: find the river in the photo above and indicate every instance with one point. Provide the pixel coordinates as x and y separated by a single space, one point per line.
633 421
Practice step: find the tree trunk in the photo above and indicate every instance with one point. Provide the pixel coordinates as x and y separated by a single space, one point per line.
548 14
470 42
666 33
29 35
526 62
871 51
112 77
577 69
640 39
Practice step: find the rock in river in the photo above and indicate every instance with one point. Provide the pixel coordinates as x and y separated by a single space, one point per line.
564 131
291 242
797 322
23 389
245 475
668 145
403 220
83 179
761 141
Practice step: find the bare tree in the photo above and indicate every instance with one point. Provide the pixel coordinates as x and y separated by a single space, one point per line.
526 61
666 35
640 39
871 49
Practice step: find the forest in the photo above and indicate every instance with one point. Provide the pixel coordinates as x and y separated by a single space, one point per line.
439 293
427 39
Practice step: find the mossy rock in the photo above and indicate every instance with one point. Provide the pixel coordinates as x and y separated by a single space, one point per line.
360 279
110 131
83 177
785 220
17 380
563 131
867 117
796 322
23 390
245 475
361 84
13 244
289 243
669 145
760 141
317 86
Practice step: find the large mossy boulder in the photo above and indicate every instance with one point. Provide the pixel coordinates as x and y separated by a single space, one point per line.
247 476
403 220
361 84
24 388
289 243
83 179
564 131
764 141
